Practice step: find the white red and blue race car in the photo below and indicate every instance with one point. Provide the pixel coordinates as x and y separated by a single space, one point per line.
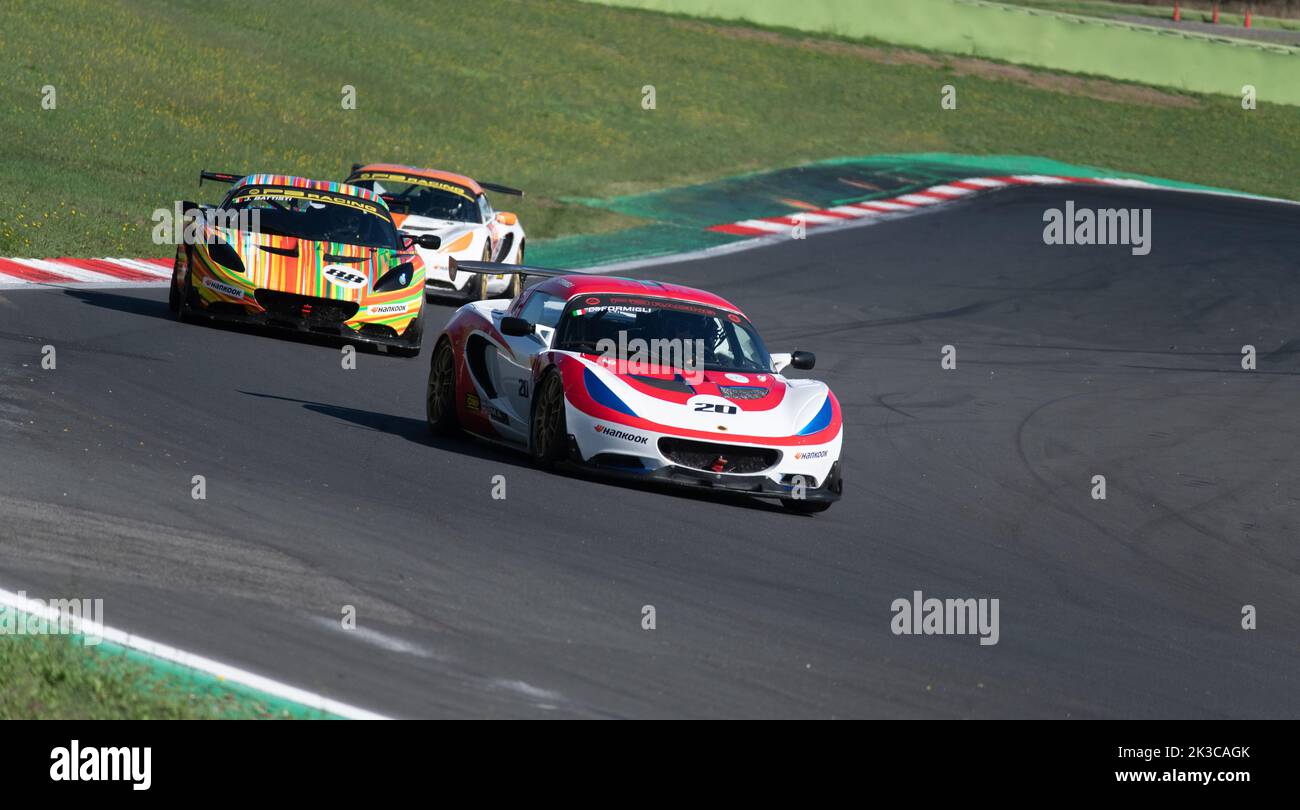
568 371
455 209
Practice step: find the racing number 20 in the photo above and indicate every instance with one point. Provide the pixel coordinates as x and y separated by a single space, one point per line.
714 407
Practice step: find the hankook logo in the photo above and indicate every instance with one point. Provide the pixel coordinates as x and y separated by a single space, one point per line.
223 288
622 434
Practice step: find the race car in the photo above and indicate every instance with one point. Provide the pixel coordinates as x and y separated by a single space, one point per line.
455 208
311 256
568 371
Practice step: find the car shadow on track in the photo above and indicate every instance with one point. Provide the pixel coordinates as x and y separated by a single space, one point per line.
122 303
417 430
667 490
158 309
413 430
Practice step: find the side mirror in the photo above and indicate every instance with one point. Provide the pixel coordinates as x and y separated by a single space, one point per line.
506 218
425 240
803 360
515 327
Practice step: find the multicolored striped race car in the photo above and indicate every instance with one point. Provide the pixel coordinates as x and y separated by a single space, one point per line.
638 379
455 208
311 256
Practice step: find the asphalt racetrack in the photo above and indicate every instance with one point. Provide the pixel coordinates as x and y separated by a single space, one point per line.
324 489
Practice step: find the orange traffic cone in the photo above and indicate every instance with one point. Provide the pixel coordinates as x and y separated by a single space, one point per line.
1178 14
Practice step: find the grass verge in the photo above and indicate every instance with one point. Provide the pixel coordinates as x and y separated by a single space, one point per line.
56 678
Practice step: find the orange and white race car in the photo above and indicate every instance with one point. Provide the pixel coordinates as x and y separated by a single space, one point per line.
454 208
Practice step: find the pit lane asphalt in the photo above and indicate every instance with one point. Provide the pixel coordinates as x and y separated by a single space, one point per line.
324 490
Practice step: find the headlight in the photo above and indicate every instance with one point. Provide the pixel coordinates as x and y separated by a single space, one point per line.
397 278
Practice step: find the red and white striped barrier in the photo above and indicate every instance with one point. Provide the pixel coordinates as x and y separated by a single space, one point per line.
906 203
60 272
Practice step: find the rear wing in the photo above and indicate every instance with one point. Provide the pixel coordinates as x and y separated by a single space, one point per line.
502 269
220 177
497 187
500 189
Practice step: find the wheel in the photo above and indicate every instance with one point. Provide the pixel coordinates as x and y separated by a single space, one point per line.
173 294
185 295
548 435
479 286
803 507
512 289
516 284
440 399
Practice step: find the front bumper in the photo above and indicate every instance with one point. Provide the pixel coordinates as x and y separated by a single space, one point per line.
314 322
758 486
642 455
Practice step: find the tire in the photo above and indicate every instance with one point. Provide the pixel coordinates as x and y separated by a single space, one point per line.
440 395
173 294
479 286
512 289
803 507
185 295
516 284
548 433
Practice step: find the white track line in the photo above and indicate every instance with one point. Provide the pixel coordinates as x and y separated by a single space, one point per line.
764 225
311 700
950 191
986 182
918 199
1041 179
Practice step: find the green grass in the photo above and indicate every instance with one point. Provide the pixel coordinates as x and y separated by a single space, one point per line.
55 678
545 96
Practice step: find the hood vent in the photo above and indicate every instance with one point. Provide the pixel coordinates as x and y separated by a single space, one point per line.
742 391
677 384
